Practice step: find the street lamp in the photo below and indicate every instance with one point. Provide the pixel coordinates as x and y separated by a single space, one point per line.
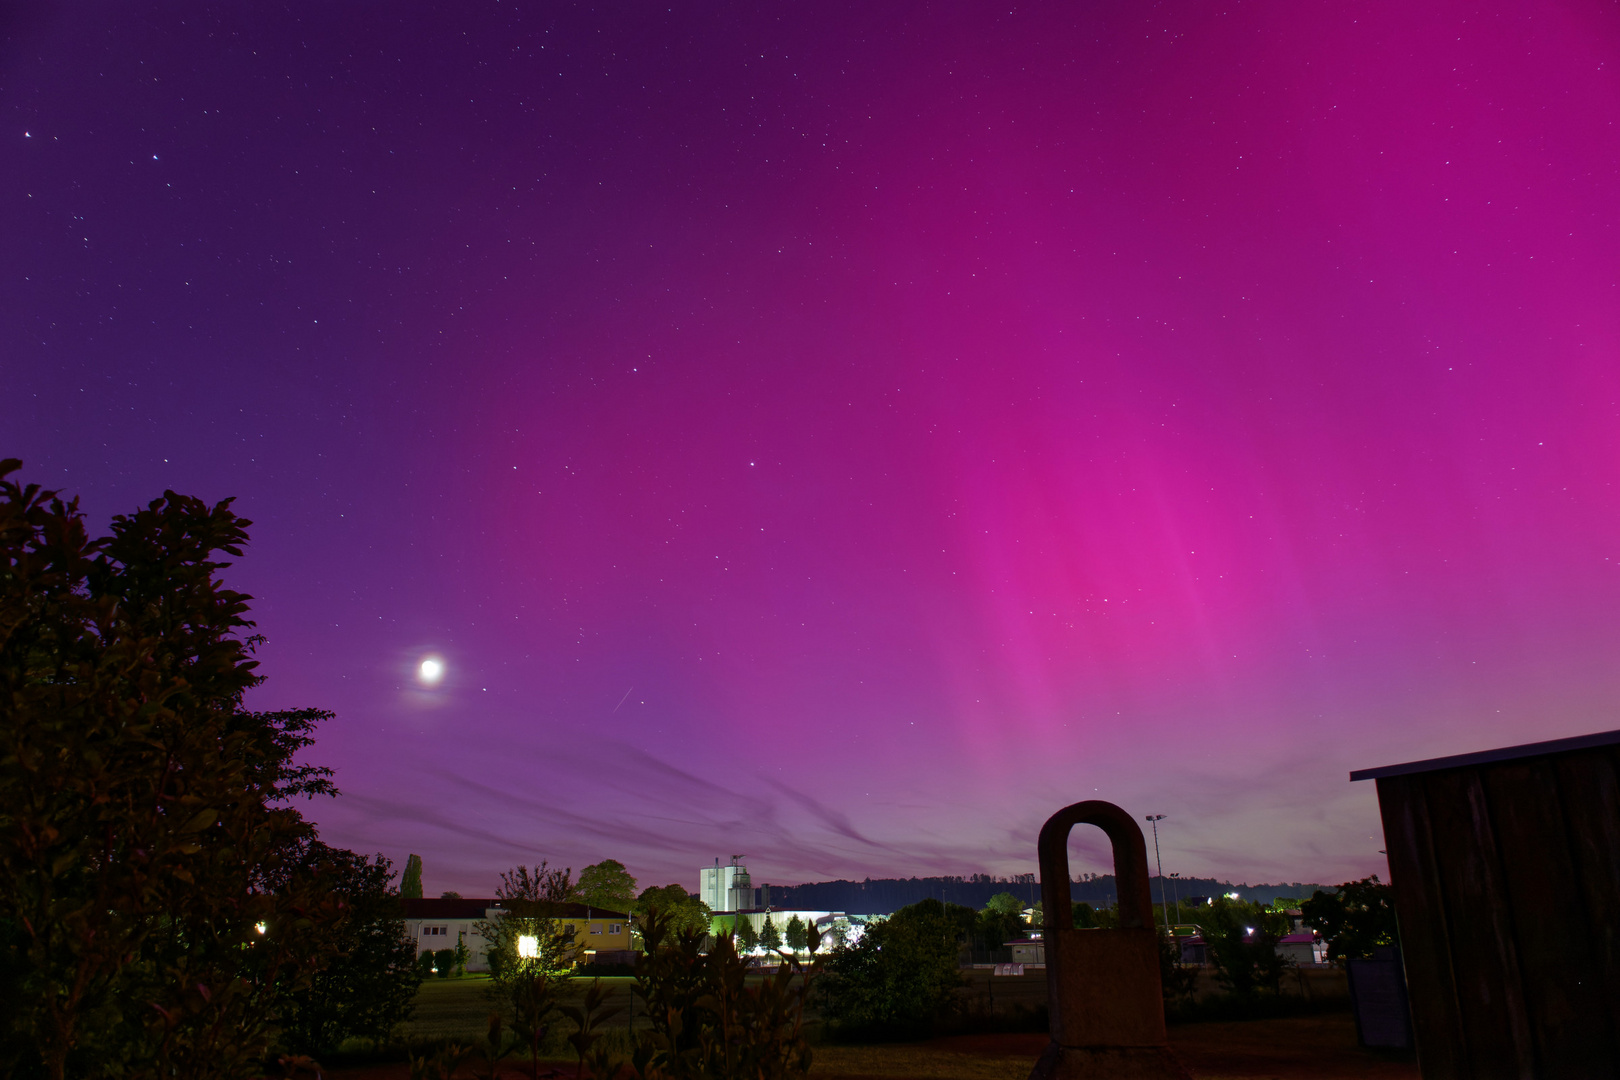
1155 819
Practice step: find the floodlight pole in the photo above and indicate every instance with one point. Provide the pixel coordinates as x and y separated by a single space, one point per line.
1155 819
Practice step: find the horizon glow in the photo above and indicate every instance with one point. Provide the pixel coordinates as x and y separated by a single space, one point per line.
847 436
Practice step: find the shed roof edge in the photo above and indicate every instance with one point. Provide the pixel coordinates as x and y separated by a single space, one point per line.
1486 757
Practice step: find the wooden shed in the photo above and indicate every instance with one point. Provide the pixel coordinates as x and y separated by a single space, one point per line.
1506 871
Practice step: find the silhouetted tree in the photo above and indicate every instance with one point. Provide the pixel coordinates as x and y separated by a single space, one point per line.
153 900
1352 920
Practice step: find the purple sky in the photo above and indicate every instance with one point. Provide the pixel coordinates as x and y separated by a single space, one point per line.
845 434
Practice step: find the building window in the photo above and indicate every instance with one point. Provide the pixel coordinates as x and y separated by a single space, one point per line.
596 928
615 928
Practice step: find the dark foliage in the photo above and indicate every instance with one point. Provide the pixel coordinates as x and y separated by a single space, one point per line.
706 1023
369 981
1177 981
901 979
1360 915
530 986
150 890
681 909
1241 941
993 929
607 885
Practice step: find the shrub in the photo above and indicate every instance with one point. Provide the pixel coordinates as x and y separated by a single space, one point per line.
1241 941
1354 919
706 1024
369 985
900 980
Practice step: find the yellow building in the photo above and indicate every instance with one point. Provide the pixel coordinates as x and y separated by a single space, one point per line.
596 930
439 924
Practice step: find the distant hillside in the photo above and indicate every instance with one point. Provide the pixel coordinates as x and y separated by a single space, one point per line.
882 896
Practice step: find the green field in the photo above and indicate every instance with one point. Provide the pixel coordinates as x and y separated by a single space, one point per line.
459 1009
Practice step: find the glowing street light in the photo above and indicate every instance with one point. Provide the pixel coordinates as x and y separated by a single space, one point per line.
528 947
259 928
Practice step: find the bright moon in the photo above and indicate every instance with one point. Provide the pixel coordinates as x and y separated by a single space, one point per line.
430 670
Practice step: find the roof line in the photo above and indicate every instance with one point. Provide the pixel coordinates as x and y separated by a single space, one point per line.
1485 757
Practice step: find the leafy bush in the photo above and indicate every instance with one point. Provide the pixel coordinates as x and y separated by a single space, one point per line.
706 1024
680 909
1177 981
900 980
1354 919
1240 939
370 982
530 985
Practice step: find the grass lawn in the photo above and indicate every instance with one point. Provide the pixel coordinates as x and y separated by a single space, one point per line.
1298 1048
460 1008
1321 1047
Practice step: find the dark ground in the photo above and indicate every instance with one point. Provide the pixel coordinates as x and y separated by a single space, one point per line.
1319 1047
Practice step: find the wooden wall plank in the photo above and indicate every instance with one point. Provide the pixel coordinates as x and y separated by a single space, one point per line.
1567 1024
1420 912
1589 782
1495 1021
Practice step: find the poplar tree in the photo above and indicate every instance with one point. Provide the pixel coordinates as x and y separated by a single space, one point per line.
410 882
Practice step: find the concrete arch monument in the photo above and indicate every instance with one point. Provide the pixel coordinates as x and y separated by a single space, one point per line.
1103 990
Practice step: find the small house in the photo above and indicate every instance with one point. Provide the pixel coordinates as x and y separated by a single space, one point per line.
1302 947
1028 951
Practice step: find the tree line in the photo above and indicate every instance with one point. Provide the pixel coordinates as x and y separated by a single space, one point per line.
880 896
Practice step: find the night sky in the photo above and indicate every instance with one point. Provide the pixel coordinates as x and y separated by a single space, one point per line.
845 434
